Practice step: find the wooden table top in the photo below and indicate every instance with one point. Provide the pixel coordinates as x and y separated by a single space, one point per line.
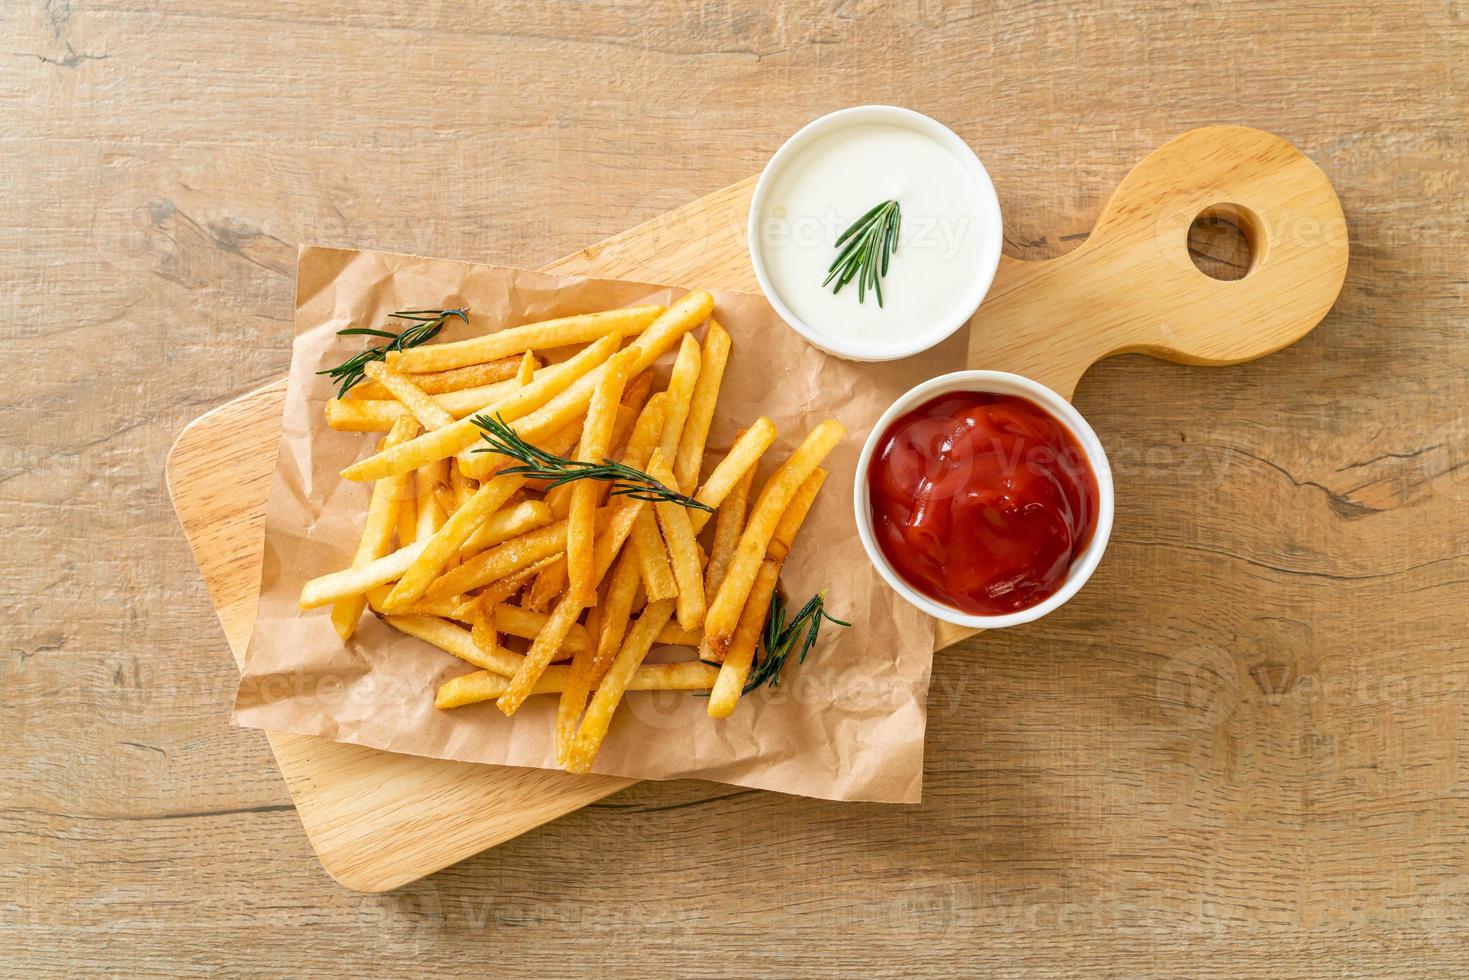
1241 750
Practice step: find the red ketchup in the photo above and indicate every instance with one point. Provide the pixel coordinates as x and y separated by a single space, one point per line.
982 501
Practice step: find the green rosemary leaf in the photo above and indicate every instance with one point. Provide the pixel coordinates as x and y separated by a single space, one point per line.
864 251
427 324
538 464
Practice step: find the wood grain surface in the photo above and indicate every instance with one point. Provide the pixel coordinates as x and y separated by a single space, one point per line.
1238 752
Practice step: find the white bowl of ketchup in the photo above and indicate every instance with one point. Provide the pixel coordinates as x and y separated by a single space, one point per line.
984 499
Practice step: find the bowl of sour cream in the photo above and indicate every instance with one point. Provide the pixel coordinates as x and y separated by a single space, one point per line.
914 272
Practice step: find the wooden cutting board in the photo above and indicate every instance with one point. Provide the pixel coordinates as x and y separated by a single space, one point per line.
378 820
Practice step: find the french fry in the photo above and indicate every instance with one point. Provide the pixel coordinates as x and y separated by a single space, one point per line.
329 588
622 588
510 522
464 487
548 584
511 342
430 512
542 649
447 541
500 592
735 669
609 694
690 454
457 379
622 515
795 515
646 432
652 558
459 642
735 662
680 393
724 611
742 457
527 371
377 533
679 319
515 621
676 636
430 414
450 608
483 631
485 685
407 509
453 439
379 414
683 550
728 524
500 561
596 443
634 396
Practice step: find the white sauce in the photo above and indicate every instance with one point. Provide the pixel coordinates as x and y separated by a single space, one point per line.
835 180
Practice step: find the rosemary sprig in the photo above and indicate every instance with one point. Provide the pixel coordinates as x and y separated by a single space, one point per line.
779 638
426 324
538 464
869 244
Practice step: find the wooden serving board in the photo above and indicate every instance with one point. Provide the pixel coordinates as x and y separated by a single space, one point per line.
378 820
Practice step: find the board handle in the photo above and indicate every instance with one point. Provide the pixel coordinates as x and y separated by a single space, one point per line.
1131 287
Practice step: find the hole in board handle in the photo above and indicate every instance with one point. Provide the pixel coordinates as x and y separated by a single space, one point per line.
1226 242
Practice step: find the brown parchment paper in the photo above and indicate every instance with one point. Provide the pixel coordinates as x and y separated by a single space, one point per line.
847 724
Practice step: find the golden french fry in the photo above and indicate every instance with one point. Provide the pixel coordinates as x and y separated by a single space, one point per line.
450 608
429 413
680 318
510 522
542 649
645 432
377 533
548 584
728 524
379 414
515 621
598 717
735 669
690 453
496 592
483 632
652 558
485 685
426 483
453 439
457 379
795 515
675 635
460 642
724 610
634 396
680 393
683 550
500 561
742 457
623 514
464 487
596 443
511 342
355 581
527 372
559 500
450 538
622 588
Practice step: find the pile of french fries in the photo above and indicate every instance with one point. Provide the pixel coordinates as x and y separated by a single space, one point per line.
478 561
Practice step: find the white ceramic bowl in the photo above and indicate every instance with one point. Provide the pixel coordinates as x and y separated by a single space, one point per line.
918 336
1000 383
